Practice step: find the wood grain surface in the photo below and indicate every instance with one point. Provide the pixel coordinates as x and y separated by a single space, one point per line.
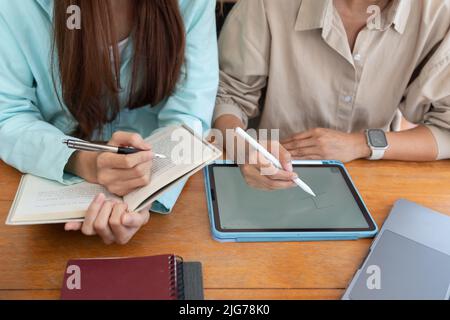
32 259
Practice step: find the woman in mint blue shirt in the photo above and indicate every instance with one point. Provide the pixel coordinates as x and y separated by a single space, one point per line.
112 71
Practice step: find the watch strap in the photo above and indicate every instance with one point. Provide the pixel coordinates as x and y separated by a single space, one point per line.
377 154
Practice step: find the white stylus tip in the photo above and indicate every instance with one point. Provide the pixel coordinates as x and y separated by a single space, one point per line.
304 187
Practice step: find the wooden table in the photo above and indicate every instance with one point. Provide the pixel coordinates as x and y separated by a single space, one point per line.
32 259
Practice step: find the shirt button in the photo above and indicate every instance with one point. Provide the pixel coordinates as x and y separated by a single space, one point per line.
357 57
348 99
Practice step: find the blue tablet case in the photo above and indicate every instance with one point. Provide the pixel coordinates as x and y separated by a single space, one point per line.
282 236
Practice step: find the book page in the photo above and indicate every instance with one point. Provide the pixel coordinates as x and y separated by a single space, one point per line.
41 199
185 153
161 166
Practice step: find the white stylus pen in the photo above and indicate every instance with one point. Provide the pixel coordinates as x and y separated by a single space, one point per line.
271 158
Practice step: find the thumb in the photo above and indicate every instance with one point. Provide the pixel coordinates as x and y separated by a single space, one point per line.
135 219
286 159
73 226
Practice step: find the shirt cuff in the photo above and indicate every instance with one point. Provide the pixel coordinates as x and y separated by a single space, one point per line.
59 167
165 203
442 137
70 179
230 109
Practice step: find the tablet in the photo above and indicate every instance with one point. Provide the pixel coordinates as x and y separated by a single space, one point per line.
239 212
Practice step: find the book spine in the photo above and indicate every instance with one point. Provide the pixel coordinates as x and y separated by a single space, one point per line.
177 278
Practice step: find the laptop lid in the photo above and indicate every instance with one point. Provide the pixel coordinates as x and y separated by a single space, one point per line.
410 259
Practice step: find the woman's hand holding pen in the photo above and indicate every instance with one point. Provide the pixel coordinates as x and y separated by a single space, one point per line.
119 174
260 173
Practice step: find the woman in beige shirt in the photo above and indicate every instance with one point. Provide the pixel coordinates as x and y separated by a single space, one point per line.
331 70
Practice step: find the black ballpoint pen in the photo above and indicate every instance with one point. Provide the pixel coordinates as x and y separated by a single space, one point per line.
93 147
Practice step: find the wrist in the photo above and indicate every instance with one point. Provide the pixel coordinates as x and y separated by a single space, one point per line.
362 149
236 148
83 164
226 124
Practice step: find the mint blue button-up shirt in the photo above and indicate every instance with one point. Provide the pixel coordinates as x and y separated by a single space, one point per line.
32 120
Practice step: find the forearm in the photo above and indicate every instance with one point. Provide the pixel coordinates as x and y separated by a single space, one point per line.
417 144
227 122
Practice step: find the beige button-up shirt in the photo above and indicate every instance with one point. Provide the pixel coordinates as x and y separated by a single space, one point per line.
298 51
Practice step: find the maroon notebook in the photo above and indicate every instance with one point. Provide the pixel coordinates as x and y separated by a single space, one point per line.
148 278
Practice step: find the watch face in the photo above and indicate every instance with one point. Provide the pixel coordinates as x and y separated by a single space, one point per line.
377 139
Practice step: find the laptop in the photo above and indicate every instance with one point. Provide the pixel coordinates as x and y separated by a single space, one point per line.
409 259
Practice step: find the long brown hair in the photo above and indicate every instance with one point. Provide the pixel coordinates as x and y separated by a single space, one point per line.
90 84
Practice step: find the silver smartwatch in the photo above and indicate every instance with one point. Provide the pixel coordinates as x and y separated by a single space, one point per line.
377 141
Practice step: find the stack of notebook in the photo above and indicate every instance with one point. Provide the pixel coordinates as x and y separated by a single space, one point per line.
164 277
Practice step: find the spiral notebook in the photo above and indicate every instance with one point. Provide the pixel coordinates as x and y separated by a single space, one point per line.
164 277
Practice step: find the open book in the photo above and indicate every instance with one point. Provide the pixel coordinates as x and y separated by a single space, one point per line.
41 201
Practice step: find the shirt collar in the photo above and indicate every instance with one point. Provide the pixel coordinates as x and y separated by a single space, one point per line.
318 14
401 12
314 14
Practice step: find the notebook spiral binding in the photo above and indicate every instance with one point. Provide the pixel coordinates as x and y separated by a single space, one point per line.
177 277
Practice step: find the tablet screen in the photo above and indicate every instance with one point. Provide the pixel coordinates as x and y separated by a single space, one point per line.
337 207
